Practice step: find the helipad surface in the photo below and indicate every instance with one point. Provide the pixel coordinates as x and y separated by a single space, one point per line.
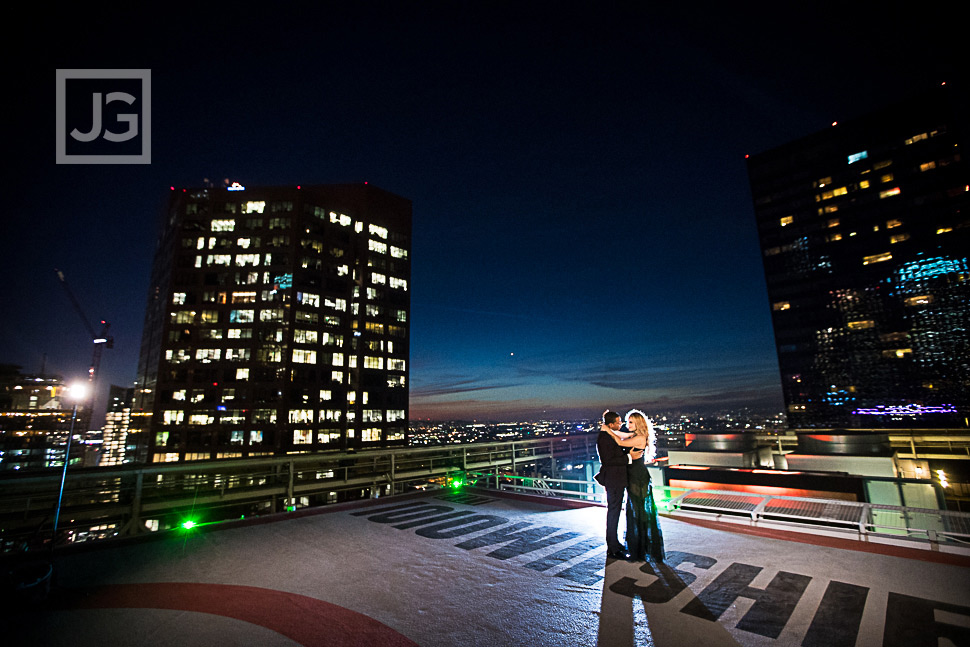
479 568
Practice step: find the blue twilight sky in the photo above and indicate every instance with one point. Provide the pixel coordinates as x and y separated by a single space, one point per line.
583 230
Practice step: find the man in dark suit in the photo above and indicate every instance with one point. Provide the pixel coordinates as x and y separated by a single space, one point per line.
612 476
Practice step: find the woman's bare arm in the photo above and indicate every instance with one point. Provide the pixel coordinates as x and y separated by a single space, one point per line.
628 439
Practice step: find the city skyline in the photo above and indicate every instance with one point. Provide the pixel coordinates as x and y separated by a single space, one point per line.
583 231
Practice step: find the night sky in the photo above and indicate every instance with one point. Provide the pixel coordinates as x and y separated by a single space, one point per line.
583 229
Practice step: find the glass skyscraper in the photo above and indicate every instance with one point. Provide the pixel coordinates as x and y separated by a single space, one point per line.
865 236
277 322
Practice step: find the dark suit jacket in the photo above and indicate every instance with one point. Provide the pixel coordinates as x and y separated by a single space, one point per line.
613 461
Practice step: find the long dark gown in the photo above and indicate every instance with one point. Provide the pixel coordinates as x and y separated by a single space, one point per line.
643 536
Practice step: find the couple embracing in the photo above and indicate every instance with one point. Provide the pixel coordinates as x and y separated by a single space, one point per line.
622 456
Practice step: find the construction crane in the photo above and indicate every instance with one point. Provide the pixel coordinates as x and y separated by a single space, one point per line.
101 341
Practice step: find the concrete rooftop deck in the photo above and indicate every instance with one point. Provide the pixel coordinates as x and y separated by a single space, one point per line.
443 568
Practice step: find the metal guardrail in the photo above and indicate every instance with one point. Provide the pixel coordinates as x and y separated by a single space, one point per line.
117 501
802 513
865 518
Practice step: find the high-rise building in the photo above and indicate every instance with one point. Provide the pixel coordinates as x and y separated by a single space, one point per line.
865 237
35 419
277 323
116 422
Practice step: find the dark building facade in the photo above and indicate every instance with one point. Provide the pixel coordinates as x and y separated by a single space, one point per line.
865 237
277 322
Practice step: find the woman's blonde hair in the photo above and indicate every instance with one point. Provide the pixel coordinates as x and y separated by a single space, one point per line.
644 428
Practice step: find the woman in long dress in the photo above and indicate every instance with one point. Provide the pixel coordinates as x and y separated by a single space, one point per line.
643 536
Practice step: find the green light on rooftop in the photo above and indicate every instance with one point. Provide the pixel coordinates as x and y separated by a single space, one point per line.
189 525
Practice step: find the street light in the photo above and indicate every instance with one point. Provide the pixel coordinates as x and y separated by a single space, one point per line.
75 393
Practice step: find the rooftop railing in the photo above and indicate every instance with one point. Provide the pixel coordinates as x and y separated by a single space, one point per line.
858 520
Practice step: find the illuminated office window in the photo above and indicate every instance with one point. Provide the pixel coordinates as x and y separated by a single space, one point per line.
377 246
228 224
301 336
921 300
889 192
876 258
243 297
892 224
787 220
898 353
898 238
927 166
301 356
237 354
300 415
173 417
254 207
309 299
863 324
781 305
208 355
341 219
373 362
264 415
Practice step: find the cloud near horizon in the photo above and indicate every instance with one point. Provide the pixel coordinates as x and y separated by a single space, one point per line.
583 391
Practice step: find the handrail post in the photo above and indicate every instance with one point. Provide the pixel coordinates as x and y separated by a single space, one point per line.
135 523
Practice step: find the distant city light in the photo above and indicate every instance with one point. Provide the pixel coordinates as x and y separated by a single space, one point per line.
235 186
78 391
905 410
